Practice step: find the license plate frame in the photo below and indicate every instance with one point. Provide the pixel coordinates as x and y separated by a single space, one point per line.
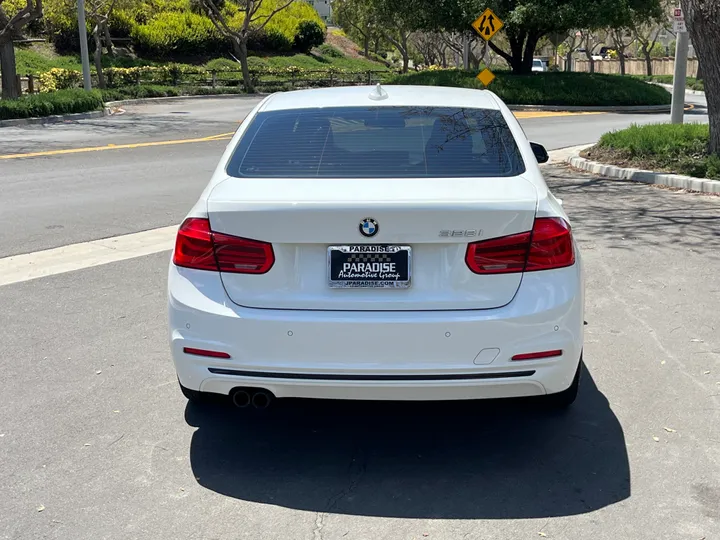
370 253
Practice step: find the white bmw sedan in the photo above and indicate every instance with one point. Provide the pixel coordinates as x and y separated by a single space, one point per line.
388 243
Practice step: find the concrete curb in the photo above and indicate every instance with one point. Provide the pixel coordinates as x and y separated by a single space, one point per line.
704 185
669 88
638 109
144 101
54 119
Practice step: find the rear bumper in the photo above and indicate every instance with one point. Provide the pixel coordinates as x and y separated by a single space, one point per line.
379 355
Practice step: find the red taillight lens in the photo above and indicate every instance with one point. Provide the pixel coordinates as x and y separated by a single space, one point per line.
242 256
552 245
194 246
499 255
198 247
548 245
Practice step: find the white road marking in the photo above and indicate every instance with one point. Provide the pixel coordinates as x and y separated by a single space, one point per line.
19 268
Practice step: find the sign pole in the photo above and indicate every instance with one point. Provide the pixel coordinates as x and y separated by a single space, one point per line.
487 25
680 72
85 57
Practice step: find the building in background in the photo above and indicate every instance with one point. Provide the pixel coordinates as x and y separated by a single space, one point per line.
324 9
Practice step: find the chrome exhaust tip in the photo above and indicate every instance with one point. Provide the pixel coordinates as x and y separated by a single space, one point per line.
262 399
241 399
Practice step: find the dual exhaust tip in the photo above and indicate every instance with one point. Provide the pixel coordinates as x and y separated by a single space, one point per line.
244 398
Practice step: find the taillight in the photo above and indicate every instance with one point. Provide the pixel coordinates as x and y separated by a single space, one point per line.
198 247
552 245
549 245
194 246
499 255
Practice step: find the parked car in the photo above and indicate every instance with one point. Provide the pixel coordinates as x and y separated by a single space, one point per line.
394 243
538 66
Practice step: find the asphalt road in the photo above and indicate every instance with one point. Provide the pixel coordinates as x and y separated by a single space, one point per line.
97 442
167 153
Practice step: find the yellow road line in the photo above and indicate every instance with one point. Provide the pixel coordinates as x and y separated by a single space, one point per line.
545 114
227 136
220 137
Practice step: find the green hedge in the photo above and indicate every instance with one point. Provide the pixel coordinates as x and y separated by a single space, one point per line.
154 91
60 102
172 33
579 89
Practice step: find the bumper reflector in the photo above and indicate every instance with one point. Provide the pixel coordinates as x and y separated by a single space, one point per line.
537 355
203 352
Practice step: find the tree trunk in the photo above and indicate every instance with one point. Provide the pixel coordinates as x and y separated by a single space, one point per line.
621 57
108 40
648 60
10 88
240 47
516 51
702 17
405 52
588 53
98 57
568 61
529 52
366 43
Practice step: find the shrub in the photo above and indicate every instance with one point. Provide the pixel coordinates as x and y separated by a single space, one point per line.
61 102
173 33
583 89
155 91
310 34
223 64
330 51
59 79
269 39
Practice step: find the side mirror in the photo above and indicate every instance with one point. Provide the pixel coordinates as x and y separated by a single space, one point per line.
540 153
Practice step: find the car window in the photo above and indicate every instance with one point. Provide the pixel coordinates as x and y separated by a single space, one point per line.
377 142
537 63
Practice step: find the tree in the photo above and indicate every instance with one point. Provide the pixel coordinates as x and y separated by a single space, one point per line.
526 21
569 46
98 13
11 26
703 21
589 40
621 38
253 20
647 36
358 17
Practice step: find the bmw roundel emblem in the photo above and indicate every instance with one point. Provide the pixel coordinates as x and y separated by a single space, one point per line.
369 227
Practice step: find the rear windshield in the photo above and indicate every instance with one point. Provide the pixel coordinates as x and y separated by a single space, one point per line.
377 142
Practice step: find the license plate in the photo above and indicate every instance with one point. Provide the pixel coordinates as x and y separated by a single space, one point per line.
369 266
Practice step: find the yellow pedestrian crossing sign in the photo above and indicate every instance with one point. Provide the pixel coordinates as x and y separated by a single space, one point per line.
487 24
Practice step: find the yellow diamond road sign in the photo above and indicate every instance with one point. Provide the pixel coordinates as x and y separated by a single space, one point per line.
487 24
486 76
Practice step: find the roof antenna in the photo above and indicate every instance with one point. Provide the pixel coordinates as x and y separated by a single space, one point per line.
378 94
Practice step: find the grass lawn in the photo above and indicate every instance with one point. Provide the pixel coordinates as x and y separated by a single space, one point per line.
582 89
675 148
74 100
691 82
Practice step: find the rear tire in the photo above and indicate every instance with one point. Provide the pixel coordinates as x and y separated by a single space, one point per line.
563 400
